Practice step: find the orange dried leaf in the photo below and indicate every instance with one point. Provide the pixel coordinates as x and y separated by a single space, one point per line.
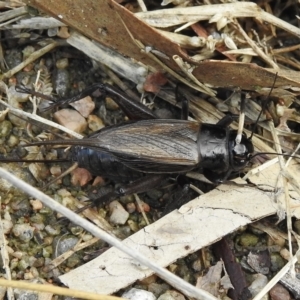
154 81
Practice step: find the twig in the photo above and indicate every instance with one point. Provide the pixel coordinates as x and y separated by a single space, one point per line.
139 203
13 13
113 60
22 113
31 58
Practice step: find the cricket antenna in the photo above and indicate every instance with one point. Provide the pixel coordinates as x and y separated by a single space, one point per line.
263 106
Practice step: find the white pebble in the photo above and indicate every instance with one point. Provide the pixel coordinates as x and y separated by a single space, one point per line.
137 294
118 214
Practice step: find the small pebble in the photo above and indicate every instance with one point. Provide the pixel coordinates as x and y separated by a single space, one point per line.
13 58
28 67
197 265
7 225
118 214
52 230
143 206
285 253
259 282
51 32
27 51
130 207
297 226
148 280
133 225
62 63
55 170
71 119
23 231
63 32
47 251
3 114
98 181
158 288
84 106
5 128
277 262
111 104
28 295
13 141
138 294
28 276
17 254
259 261
278 292
86 237
95 123
36 204
171 295
248 240
61 80
81 177
39 171
73 261
63 244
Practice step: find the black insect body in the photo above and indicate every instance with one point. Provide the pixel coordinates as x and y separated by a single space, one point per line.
146 150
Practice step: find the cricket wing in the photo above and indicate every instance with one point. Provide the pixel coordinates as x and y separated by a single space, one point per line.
154 146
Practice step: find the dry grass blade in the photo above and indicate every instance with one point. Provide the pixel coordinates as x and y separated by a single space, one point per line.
55 290
30 59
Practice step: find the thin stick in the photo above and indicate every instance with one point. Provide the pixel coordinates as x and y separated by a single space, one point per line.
181 285
241 121
139 203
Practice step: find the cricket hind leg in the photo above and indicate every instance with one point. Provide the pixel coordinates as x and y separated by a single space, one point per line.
140 185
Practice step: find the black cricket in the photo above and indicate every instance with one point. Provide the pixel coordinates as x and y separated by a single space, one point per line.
145 150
